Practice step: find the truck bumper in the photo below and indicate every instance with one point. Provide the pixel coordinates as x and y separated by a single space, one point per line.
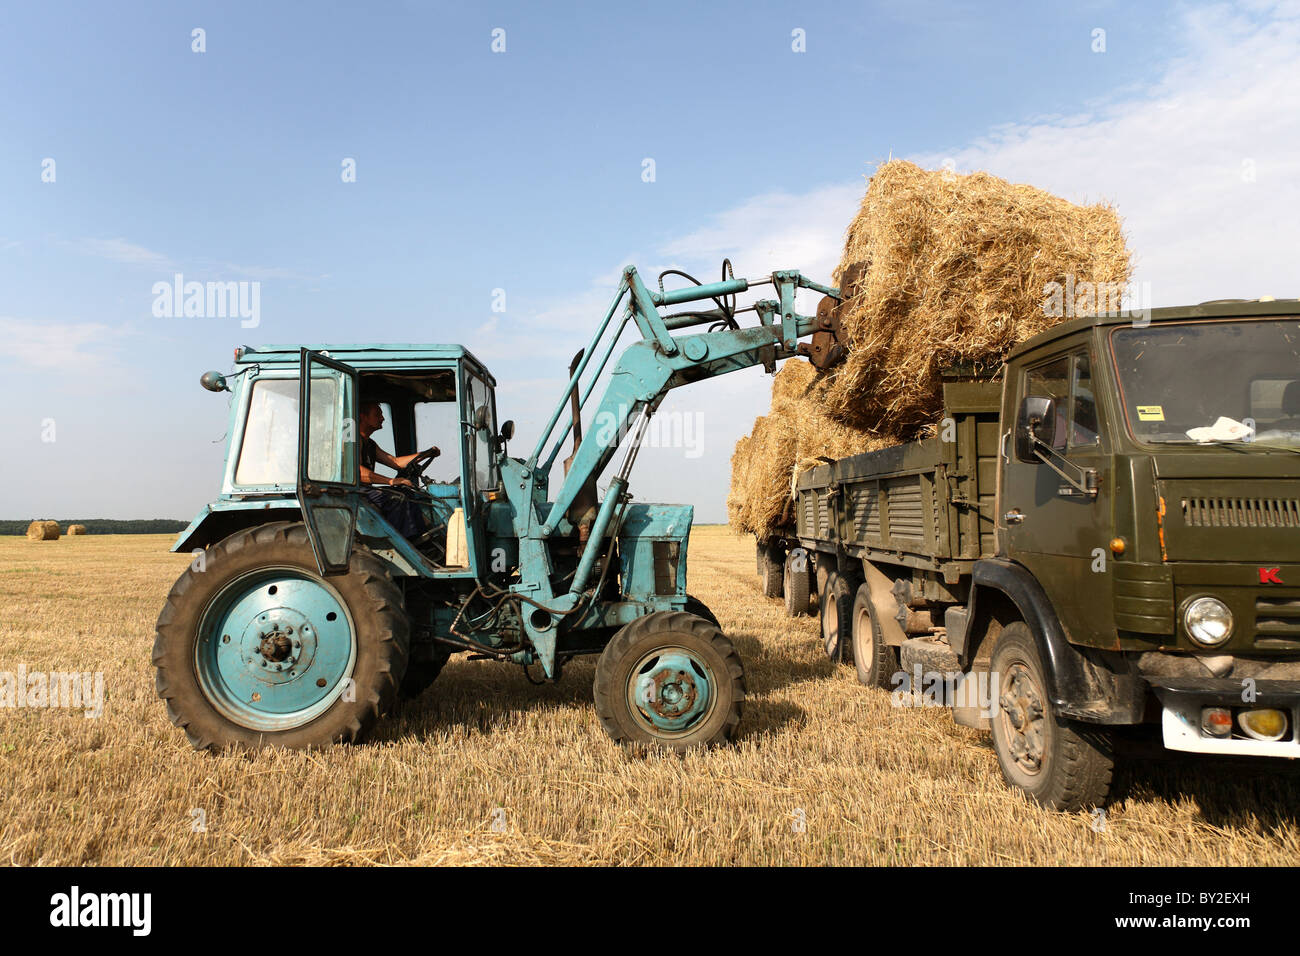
1183 698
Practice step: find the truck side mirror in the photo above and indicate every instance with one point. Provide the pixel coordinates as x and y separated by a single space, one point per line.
1036 419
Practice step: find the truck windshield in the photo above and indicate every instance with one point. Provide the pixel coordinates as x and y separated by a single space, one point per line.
1222 381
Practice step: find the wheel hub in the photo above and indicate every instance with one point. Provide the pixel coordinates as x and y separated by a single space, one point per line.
1022 712
274 649
670 690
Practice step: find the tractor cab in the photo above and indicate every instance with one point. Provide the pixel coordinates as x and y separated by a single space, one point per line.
295 448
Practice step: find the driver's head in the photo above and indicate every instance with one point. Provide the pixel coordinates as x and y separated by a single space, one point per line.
372 417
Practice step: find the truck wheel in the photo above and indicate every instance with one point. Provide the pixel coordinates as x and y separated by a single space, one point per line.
773 568
669 678
697 607
875 660
1061 764
837 618
797 584
259 650
421 673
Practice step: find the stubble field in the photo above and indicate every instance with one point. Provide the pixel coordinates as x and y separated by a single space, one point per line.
485 768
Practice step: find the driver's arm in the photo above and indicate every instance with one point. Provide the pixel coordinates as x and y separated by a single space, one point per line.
369 477
404 460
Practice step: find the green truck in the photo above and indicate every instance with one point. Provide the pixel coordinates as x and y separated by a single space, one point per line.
1103 533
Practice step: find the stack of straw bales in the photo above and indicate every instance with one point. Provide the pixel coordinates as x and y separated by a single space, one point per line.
43 531
941 269
793 435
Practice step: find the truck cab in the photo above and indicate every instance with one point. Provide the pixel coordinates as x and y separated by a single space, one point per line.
1151 486
1104 532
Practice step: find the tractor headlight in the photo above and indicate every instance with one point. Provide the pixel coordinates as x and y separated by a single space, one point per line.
1208 621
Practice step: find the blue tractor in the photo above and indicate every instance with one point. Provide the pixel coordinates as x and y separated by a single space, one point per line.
305 614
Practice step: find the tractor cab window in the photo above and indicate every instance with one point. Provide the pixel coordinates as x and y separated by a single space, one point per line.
480 396
268 454
438 423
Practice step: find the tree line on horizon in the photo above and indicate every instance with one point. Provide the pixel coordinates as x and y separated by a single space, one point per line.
102 525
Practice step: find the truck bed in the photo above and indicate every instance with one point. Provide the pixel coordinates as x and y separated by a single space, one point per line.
926 504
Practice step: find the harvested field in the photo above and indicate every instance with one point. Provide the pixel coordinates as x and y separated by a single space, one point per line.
875 784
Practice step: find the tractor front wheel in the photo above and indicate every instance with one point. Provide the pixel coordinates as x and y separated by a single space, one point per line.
256 649
671 679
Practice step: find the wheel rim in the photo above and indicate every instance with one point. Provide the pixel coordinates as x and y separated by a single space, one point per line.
864 637
1022 715
276 648
671 691
830 625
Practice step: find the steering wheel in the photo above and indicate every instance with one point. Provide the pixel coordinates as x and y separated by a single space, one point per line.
415 467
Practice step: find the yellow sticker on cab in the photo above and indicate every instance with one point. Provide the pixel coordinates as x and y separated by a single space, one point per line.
1151 413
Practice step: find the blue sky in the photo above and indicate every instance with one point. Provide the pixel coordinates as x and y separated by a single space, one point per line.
522 170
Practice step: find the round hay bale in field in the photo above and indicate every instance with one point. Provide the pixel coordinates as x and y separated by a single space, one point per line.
76 529
941 269
43 531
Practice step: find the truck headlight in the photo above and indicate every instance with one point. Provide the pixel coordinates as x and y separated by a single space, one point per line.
1208 621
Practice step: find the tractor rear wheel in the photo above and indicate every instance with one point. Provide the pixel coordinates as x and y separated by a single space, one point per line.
671 679
257 649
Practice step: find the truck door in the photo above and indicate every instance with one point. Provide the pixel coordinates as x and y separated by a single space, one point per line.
329 474
1049 523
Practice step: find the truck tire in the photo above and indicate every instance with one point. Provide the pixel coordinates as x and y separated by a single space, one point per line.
669 679
1061 764
837 618
259 650
773 568
797 583
876 661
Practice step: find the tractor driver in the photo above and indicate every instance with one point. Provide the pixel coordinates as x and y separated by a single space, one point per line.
398 508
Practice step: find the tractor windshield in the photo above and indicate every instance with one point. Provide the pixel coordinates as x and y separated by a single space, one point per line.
1211 382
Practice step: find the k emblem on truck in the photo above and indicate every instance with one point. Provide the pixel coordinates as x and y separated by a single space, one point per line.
1270 576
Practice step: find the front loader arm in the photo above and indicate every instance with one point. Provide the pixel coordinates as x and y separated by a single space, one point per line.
643 375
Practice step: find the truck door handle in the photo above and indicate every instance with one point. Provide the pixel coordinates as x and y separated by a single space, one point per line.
1013 516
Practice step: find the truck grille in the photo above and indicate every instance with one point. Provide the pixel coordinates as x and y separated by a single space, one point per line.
1241 512
1277 617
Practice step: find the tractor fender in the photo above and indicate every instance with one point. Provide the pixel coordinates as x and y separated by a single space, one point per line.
1084 684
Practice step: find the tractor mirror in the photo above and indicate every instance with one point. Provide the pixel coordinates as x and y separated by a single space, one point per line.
1037 419
508 430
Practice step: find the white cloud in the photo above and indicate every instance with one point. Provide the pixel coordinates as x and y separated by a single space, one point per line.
1177 159
58 346
121 250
